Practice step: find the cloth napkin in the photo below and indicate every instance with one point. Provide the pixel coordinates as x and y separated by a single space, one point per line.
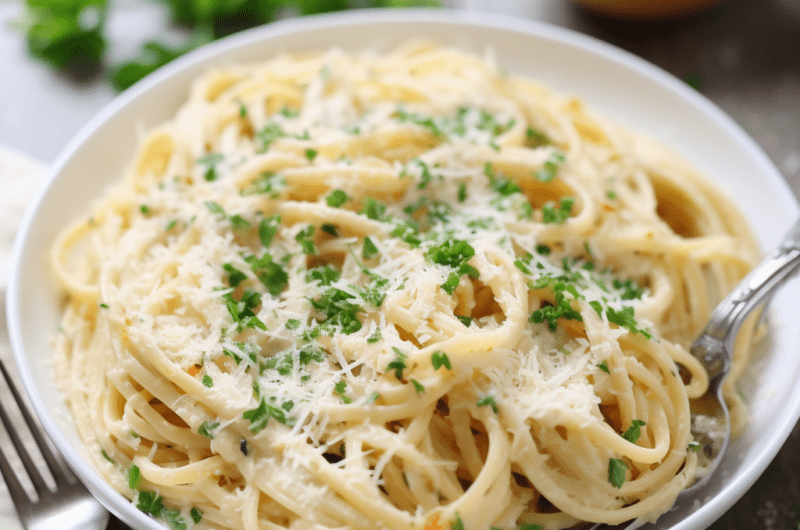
20 178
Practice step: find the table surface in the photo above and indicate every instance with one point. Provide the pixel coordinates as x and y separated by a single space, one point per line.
742 54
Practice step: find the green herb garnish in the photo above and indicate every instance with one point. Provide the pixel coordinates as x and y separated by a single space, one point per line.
557 215
488 401
207 428
617 472
398 364
339 388
306 240
439 359
369 250
134 477
634 431
453 253
337 198
259 416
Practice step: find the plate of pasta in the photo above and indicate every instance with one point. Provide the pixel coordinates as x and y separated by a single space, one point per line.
403 269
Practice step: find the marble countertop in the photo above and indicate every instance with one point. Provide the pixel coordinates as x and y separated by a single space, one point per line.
744 55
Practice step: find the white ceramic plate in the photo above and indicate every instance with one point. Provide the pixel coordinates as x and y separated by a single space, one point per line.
613 81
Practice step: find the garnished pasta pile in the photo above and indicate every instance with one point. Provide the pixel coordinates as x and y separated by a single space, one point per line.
394 290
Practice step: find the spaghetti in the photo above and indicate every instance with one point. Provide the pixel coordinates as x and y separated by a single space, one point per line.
394 290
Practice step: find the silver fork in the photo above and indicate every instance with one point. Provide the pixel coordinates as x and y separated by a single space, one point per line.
68 506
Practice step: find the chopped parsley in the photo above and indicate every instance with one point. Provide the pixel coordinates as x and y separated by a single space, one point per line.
624 317
267 229
617 472
235 276
215 208
550 168
266 136
373 209
338 309
207 428
151 503
242 310
488 401
488 122
375 337
419 387
398 364
337 198
237 221
207 381
425 177
562 307
439 359
134 477
105 455
270 274
426 122
196 515
369 250
407 231
535 138
634 431
557 215
324 274
453 253
630 289
375 294
306 240
210 161
267 183
339 389
502 185
260 416
311 154
329 229
603 365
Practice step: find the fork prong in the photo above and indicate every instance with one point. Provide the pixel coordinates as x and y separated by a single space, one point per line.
15 487
55 469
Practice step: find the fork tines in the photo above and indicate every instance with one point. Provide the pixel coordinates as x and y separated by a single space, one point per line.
15 487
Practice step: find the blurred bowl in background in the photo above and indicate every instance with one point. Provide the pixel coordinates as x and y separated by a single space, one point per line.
647 9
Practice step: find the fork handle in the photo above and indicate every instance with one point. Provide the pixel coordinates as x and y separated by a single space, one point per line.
762 281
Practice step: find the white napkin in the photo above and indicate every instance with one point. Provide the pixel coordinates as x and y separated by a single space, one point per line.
20 177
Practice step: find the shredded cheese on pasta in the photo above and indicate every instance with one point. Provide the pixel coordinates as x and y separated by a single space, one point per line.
394 290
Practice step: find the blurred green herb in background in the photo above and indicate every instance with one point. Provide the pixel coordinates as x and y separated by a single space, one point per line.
69 35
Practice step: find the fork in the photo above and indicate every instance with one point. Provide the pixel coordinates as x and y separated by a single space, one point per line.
67 506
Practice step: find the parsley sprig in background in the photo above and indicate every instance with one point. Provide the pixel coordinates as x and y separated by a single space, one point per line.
71 36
